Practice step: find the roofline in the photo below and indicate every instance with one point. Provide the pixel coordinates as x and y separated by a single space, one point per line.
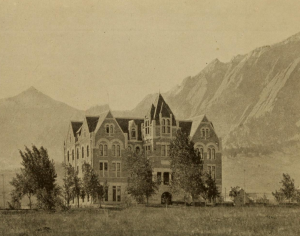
133 118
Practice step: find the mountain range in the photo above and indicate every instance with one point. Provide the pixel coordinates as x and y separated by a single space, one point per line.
252 100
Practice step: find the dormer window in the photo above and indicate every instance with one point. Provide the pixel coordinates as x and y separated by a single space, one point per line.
133 133
166 126
109 129
205 133
147 127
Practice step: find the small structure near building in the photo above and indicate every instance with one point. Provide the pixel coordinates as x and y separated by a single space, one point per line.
240 197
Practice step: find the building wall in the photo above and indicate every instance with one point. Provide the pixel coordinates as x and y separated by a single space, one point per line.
156 139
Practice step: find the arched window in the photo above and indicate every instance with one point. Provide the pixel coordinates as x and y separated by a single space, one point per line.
209 153
118 151
82 152
168 126
207 133
113 150
213 154
133 133
105 150
203 133
201 153
163 126
107 129
197 151
68 156
87 150
101 149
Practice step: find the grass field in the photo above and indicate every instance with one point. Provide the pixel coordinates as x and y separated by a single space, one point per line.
155 221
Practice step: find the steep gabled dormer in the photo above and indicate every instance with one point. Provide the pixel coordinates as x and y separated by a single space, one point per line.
133 130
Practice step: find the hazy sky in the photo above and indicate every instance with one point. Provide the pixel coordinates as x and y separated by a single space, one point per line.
78 52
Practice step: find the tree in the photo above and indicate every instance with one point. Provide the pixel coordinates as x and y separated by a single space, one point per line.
38 177
186 166
23 185
287 190
210 190
90 181
77 187
68 183
140 183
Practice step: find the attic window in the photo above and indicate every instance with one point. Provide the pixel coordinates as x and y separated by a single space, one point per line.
133 133
205 132
147 127
166 126
109 129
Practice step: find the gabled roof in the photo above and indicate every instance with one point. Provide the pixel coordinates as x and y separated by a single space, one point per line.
161 107
197 121
186 126
124 124
76 125
102 117
92 122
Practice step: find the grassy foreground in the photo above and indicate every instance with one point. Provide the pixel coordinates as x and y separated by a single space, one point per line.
155 221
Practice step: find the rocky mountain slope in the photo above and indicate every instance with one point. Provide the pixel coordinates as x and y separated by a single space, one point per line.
253 100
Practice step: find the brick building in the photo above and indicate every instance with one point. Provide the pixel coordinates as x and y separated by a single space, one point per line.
102 141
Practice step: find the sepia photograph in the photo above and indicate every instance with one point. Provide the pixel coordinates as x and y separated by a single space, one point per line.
149 117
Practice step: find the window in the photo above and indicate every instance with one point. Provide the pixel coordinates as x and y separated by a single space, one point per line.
133 133
166 178
212 171
116 169
103 149
203 133
168 150
137 150
116 193
82 152
118 151
201 153
166 126
106 194
165 150
73 155
159 177
147 127
109 129
113 150
207 133
68 156
77 153
148 148
87 150
103 168
209 153
213 153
